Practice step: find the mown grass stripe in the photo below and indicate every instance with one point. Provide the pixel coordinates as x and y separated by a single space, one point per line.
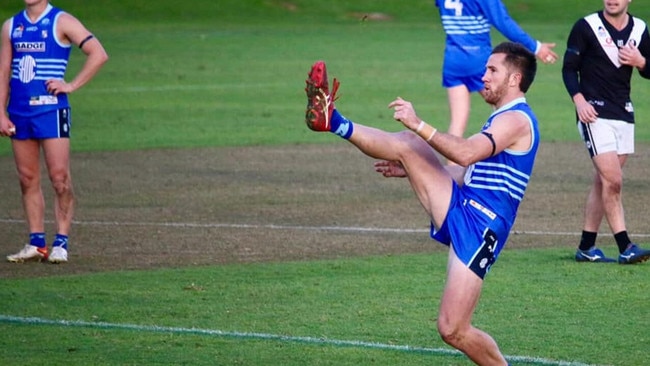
268 336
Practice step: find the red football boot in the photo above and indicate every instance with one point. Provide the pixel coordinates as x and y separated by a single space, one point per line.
320 103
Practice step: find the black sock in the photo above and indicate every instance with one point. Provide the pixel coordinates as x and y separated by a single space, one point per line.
587 240
622 240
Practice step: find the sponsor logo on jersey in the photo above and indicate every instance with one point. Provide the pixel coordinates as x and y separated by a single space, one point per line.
43 100
30 46
32 28
484 210
18 31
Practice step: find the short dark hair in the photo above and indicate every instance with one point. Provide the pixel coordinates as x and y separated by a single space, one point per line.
520 58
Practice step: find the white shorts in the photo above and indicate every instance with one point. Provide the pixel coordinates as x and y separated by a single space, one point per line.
605 135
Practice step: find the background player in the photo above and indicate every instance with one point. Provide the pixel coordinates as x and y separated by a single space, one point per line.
34 55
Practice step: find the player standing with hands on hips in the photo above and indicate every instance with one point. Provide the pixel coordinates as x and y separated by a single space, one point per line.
603 49
467 25
34 52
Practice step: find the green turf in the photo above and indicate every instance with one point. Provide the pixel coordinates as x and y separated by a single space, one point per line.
231 73
539 304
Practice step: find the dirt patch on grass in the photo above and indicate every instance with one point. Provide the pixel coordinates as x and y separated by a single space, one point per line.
174 208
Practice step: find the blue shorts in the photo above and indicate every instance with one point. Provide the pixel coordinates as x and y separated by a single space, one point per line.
474 83
465 66
51 124
475 232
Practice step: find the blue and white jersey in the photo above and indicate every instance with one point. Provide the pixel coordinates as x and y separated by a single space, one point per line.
499 182
37 57
467 24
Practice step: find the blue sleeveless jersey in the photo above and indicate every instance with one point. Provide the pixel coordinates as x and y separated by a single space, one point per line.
467 25
37 57
499 182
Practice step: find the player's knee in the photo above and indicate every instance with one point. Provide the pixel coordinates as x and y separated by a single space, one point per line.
61 184
407 137
450 332
612 187
28 180
410 143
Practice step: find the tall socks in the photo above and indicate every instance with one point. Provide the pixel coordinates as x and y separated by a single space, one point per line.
61 241
341 125
588 240
37 239
622 240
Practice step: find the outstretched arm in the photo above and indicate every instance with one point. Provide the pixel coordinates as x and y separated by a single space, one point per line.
498 16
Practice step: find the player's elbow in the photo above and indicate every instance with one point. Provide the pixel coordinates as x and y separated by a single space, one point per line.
463 163
467 158
102 58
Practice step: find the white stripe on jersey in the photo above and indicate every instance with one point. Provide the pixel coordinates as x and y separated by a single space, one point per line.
465 24
499 177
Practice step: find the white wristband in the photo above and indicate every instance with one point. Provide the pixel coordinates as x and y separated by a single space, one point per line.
420 126
432 133
425 131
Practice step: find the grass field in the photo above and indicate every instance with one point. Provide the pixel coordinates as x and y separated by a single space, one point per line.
229 74
246 63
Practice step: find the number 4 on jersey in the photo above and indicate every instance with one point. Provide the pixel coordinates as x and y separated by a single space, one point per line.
456 5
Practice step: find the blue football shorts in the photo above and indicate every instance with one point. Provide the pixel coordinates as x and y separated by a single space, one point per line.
473 82
465 66
51 124
476 233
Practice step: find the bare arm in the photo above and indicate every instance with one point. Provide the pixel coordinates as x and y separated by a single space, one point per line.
6 55
70 29
509 130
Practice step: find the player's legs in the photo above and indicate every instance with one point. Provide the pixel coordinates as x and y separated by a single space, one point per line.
460 84
57 160
27 159
594 211
459 99
460 297
609 142
429 179
431 182
609 181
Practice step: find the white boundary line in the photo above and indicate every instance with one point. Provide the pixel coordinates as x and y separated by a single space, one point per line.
358 229
283 338
268 336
